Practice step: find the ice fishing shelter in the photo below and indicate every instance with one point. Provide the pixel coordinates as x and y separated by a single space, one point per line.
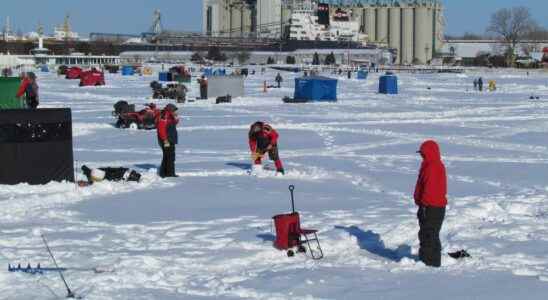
232 85
36 146
362 74
388 84
128 71
8 91
165 76
315 89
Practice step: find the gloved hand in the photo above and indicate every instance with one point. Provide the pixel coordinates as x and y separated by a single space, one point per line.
256 155
167 144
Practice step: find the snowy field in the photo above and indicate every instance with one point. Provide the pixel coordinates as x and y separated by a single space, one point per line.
208 234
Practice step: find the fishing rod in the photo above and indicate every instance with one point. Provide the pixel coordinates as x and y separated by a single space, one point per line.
70 294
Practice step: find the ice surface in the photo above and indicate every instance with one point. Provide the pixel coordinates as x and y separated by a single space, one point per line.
208 233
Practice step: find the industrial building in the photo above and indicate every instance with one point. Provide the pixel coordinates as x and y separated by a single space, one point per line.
413 27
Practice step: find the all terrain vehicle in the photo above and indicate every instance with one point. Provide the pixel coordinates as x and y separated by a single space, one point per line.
129 118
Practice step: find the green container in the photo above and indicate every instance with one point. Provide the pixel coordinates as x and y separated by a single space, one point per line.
8 92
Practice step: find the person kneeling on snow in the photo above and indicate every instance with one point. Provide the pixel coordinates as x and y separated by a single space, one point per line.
262 139
109 174
430 197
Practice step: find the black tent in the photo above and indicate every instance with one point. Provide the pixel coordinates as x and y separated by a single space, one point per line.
36 146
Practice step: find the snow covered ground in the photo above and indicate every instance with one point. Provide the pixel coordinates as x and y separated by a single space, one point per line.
208 234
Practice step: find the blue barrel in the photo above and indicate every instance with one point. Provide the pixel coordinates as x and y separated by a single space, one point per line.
128 71
388 84
164 76
362 74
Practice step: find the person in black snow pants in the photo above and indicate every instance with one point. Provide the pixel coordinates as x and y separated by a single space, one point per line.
279 80
166 127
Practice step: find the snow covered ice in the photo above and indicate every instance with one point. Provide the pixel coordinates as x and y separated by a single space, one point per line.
208 234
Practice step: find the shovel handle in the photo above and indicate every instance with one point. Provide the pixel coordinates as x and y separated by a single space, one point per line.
291 189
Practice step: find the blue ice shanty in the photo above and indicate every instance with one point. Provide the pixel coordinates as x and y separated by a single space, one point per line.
316 89
128 71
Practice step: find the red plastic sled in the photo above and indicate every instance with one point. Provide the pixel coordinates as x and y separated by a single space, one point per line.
289 233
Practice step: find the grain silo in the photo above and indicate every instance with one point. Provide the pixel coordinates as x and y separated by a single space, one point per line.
394 30
371 23
439 27
407 37
429 48
382 24
421 35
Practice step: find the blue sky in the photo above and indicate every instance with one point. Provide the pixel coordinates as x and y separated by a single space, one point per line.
134 16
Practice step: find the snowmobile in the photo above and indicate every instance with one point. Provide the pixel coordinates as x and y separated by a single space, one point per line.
129 118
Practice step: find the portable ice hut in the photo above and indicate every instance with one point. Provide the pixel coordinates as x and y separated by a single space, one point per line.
362 74
128 71
315 89
388 84
36 146
8 91
232 85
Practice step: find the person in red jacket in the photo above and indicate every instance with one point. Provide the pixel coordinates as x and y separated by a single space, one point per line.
166 128
430 197
29 89
262 139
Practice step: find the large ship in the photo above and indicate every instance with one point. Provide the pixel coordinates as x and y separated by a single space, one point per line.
315 22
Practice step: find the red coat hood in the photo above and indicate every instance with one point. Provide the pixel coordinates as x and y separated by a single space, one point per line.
430 151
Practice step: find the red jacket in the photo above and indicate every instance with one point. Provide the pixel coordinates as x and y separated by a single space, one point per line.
165 127
431 188
23 87
269 135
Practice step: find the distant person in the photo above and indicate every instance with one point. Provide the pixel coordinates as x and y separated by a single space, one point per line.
29 89
279 80
7 72
108 174
349 74
430 197
264 139
181 91
475 84
166 128
480 84
203 87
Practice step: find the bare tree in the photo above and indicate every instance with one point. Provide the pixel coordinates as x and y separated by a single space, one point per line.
512 25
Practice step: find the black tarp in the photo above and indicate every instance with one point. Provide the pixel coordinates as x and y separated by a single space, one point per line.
36 146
